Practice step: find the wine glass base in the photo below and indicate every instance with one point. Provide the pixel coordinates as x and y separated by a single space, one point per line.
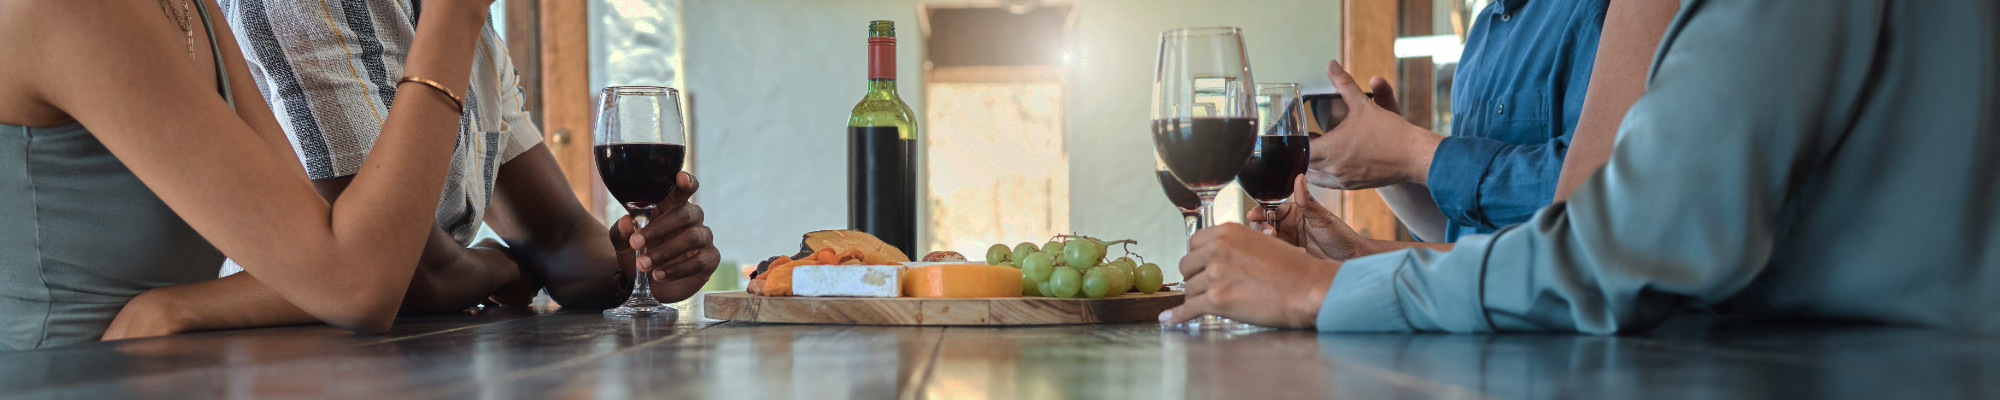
640 305
631 311
1211 324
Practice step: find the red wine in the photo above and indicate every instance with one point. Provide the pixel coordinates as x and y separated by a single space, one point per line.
1277 160
640 174
1205 152
882 185
1178 192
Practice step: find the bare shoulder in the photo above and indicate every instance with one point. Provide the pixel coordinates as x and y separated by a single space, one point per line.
30 30
58 33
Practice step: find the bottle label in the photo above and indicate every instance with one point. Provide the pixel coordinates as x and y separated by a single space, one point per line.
881 58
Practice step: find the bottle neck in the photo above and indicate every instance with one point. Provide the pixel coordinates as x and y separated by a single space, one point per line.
884 88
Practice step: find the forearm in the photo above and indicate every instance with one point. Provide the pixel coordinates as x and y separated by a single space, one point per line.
1412 203
1384 246
451 277
581 270
232 302
1632 30
442 51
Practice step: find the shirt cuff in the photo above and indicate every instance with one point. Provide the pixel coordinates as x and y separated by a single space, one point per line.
1457 168
1363 297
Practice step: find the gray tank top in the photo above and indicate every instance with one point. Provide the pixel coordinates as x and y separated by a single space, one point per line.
80 235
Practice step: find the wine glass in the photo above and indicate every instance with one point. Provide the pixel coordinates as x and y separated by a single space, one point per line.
640 149
1185 199
1204 118
1280 154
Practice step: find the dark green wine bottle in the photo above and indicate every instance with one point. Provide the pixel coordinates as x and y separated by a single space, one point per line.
882 151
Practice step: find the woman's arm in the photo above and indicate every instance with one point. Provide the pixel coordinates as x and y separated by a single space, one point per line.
1632 30
347 263
240 301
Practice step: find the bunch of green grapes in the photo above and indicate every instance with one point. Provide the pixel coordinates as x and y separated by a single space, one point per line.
1073 266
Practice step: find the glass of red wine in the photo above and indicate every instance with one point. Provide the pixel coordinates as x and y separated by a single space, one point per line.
1204 118
640 149
1279 155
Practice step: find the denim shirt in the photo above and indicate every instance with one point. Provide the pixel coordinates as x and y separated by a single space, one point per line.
1514 105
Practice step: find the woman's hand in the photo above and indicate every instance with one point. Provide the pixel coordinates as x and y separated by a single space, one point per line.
1373 146
146 315
1303 222
1239 273
680 249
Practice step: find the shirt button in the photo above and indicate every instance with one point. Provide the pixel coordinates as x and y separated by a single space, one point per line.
1501 110
1505 17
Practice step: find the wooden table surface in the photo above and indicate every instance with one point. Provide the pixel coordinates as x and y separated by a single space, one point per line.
584 355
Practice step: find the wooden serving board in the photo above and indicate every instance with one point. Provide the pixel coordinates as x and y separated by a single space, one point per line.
1130 307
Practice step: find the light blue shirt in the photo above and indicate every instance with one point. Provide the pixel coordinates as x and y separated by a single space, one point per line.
1798 159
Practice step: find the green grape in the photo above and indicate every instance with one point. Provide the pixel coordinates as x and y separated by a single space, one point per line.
1126 261
1038 266
997 254
1043 289
1030 287
1096 283
1084 253
1121 278
1149 278
1008 264
1054 248
1066 282
1021 251
1101 247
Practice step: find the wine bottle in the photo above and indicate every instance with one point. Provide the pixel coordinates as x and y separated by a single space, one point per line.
882 151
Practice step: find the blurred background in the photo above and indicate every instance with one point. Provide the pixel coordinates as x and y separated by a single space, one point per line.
1033 114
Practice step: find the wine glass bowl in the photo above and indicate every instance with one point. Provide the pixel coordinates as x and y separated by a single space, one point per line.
640 151
1281 149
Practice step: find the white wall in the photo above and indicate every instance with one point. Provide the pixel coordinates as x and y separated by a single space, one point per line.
771 83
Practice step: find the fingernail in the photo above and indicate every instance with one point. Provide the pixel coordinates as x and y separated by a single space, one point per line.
1167 315
642 264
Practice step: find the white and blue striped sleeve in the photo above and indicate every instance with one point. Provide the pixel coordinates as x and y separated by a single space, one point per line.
328 71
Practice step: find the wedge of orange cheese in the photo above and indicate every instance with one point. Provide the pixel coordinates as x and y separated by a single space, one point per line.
961 281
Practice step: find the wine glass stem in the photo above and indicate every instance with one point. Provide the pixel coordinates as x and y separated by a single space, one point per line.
1271 216
642 288
1207 211
1193 220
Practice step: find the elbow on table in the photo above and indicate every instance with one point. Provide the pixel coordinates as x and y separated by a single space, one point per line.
362 315
366 309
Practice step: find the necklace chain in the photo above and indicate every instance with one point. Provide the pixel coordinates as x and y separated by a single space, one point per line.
186 22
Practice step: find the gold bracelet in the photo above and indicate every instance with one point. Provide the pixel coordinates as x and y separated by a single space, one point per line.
455 100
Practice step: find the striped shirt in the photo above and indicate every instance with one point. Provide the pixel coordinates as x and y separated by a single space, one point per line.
329 68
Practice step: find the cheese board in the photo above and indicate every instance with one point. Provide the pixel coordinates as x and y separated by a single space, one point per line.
995 311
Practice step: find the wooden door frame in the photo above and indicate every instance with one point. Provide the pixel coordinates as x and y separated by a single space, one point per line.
1368 48
550 44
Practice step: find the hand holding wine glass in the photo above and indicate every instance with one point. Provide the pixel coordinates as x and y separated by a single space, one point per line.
1305 223
1373 146
679 248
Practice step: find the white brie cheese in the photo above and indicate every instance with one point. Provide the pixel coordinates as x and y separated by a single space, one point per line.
848 280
